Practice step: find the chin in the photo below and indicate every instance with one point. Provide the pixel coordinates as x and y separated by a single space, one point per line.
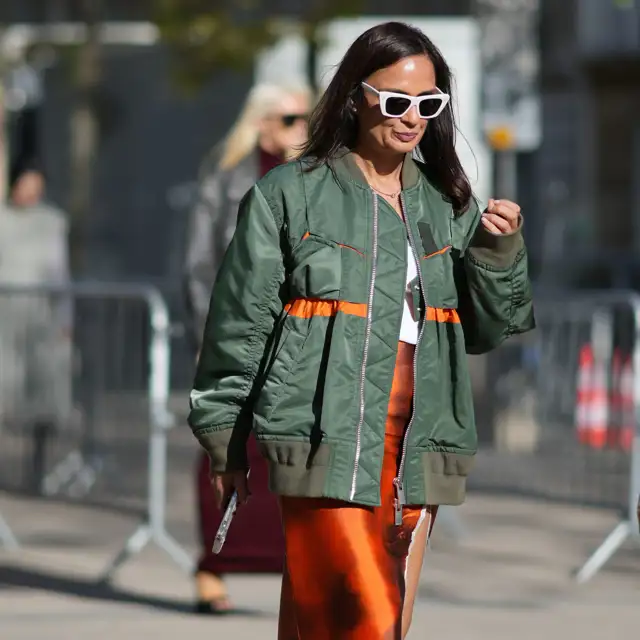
402 147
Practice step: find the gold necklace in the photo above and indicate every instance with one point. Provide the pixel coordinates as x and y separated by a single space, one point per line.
393 195
389 195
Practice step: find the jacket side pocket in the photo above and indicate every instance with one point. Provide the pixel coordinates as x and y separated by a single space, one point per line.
285 361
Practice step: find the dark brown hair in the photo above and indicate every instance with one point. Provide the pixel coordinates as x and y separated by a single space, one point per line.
334 123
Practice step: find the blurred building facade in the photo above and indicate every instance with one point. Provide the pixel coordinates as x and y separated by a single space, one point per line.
588 169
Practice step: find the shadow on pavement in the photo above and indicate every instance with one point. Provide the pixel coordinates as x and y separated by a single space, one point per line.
529 602
18 578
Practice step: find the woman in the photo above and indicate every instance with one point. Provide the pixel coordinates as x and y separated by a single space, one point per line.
271 127
357 282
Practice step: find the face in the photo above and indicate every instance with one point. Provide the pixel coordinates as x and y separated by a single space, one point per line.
28 189
284 131
413 76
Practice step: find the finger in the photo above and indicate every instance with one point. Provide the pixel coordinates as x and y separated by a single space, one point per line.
226 498
507 213
508 210
511 218
505 207
499 222
510 205
490 227
218 490
229 482
242 487
505 226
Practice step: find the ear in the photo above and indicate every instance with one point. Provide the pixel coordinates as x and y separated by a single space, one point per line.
356 99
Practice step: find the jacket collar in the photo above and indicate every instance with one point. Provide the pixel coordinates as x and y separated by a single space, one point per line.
346 168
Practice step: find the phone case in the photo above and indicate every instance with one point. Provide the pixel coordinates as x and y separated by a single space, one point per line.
223 529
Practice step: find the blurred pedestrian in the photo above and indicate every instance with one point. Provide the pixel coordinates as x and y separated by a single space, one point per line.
357 281
35 332
271 129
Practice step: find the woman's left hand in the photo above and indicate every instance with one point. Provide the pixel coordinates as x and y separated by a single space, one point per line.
501 217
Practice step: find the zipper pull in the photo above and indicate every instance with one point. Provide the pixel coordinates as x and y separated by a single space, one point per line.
399 501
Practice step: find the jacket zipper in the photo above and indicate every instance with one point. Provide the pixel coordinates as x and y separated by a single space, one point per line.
367 339
398 482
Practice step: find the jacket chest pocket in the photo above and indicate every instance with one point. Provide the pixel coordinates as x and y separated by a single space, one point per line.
437 271
321 268
436 263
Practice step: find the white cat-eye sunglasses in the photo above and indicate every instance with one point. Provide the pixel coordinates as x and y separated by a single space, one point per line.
395 105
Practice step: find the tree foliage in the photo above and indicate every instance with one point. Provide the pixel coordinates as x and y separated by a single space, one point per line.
207 35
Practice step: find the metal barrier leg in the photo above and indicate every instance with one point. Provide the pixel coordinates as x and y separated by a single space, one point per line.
7 538
133 546
175 551
142 537
605 551
629 527
154 530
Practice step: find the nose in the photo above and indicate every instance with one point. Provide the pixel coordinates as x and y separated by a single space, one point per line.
412 117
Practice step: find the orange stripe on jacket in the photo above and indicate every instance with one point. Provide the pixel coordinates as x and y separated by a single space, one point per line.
443 315
437 253
344 246
308 308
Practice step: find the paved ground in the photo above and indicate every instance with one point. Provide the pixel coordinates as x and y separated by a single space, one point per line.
510 577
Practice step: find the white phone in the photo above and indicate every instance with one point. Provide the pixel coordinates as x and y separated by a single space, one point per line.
223 529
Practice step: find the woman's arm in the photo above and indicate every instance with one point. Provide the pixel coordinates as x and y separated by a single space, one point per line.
494 291
202 256
245 304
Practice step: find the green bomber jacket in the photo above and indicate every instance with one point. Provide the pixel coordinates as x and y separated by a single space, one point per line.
301 336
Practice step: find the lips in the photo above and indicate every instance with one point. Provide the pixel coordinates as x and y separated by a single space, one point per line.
405 137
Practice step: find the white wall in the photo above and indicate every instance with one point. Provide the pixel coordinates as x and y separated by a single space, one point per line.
457 38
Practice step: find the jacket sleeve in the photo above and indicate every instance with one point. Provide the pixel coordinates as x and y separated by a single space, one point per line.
245 303
494 291
201 252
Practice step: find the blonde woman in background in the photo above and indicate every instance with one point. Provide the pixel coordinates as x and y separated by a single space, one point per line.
271 128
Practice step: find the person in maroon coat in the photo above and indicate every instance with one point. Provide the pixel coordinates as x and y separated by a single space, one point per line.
270 130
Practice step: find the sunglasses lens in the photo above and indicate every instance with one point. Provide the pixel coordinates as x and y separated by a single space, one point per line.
397 106
429 108
291 119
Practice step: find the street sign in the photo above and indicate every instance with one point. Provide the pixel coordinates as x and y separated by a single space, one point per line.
510 57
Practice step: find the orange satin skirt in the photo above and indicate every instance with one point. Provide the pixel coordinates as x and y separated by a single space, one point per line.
351 572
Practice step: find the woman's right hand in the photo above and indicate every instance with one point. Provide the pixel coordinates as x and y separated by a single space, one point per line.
224 485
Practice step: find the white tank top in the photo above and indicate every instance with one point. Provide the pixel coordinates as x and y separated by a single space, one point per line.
409 327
